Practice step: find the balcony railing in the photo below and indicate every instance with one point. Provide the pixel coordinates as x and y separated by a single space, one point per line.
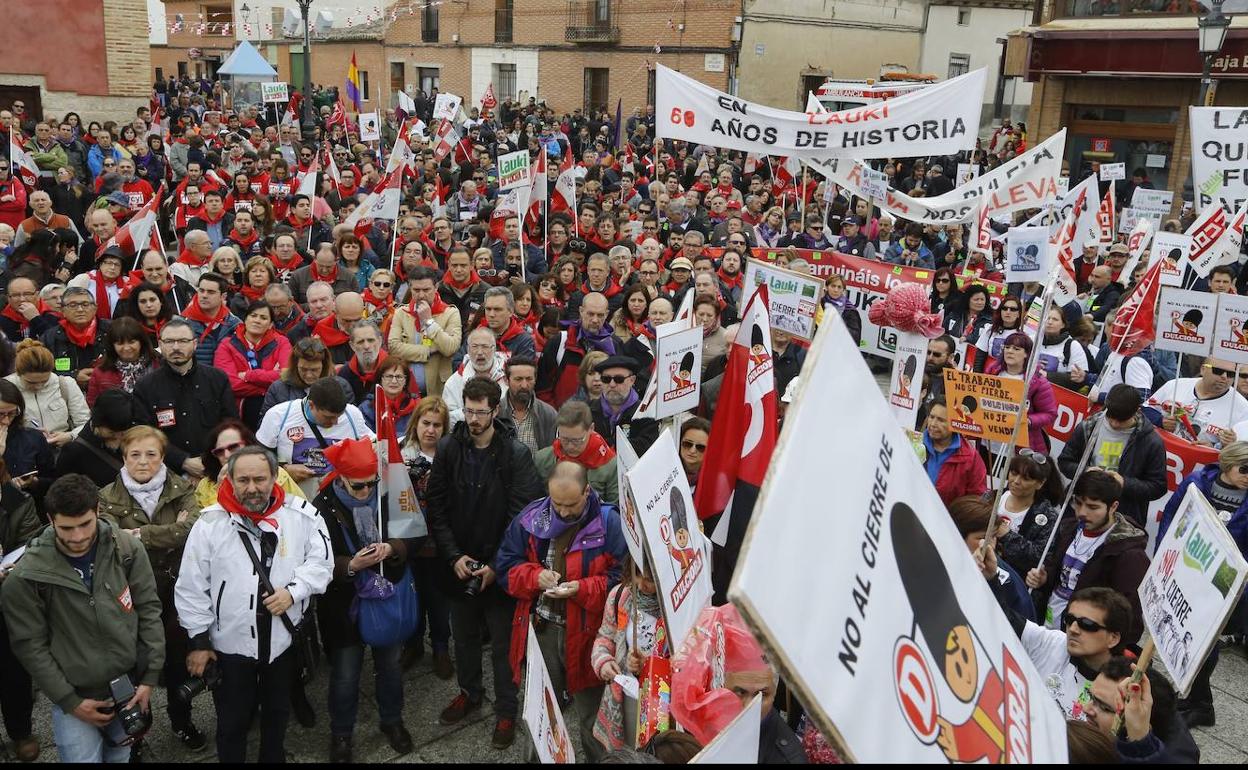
592 21
502 25
1128 9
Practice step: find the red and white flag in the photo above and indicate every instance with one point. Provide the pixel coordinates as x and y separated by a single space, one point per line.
1134 328
445 139
140 231
382 202
24 166
307 183
488 102
564 198
784 176
338 117
506 207
751 163
1106 216
404 517
537 188
1067 286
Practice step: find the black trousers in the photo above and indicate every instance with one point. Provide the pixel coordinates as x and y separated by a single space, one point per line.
245 684
17 698
492 609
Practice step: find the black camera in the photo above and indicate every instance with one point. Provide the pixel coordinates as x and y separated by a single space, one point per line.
195 685
472 586
130 723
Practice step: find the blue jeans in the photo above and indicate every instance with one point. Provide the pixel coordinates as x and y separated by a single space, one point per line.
346 664
78 742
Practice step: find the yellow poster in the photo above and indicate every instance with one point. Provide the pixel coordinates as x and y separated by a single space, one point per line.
984 406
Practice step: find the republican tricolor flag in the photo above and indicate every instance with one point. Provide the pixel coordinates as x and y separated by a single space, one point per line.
353 84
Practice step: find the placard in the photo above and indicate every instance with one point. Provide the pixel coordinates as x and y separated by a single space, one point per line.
1154 161
1112 172
274 92
1027 256
542 714
513 169
680 555
1152 201
630 523
985 406
906 383
737 743
1186 320
874 184
1173 249
1219 148
793 297
678 367
1230 329
1192 585
1063 185
446 106
370 127
966 173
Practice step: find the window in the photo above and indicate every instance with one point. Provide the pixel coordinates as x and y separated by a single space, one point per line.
504 82
217 17
596 79
396 77
182 69
650 85
430 78
429 24
959 64
160 73
364 92
964 17
503 15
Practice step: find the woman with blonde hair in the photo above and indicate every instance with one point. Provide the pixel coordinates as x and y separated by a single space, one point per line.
309 361
590 388
226 263
769 232
257 276
54 403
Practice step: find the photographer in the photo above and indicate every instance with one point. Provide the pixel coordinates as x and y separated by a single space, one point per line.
242 626
481 478
84 620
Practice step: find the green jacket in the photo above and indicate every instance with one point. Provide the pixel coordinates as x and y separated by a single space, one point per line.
50 160
74 642
162 535
19 520
603 478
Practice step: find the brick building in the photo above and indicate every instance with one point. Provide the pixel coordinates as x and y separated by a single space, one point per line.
1122 84
63 55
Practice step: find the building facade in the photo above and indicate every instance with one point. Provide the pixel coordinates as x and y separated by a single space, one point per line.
1122 83
94 61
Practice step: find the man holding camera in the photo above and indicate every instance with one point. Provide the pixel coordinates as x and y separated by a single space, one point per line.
481 478
84 620
251 566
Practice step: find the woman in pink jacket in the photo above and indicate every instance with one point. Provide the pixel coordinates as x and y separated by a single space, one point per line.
1041 404
253 358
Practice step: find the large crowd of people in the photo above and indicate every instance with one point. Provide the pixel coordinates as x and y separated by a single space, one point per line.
187 423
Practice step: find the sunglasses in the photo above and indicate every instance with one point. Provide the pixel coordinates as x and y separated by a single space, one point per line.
360 486
942 280
1091 626
617 379
686 444
222 451
382 284
1219 371
1039 458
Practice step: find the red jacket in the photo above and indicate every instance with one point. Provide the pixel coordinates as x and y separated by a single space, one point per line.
271 355
962 473
13 212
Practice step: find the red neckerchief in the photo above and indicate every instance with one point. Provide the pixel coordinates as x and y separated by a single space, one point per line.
241 333
327 331
154 331
569 288
367 377
244 243
376 302
187 258
612 289
732 282
725 191
439 306
294 222
329 279
194 312
636 328
209 220
595 455
514 329
296 262
22 322
252 293
80 338
671 287
225 496
405 406
102 307
473 280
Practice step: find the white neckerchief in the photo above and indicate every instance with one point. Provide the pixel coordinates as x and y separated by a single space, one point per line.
148 494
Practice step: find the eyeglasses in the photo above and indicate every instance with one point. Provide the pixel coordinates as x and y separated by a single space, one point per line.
1085 624
222 451
942 280
617 379
179 341
360 486
478 412
394 377
1039 458
1218 371
687 444
573 441
79 305
8 414
1011 310
383 284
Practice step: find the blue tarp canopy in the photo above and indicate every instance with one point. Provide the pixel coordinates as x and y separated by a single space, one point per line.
246 63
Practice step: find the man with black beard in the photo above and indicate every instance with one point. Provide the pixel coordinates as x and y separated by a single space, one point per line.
533 418
939 358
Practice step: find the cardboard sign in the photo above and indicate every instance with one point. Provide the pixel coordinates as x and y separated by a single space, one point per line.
906 383
273 92
1063 185
985 406
1219 144
1173 249
1027 256
678 365
542 714
513 169
446 106
1230 329
1192 585
874 184
630 523
370 127
737 743
1185 320
966 173
1112 172
1152 201
680 555
872 658
1128 219
793 297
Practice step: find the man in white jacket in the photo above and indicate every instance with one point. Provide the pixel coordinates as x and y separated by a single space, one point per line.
241 631
483 360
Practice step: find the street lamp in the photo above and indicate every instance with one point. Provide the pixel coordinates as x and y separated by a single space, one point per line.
1213 27
309 124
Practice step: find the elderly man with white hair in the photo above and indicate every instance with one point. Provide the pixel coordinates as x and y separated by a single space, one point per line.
193 261
483 360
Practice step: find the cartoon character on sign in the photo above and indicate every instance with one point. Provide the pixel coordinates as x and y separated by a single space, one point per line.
758 348
953 651
1173 258
678 548
630 517
556 741
1188 323
905 377
682 374
1027 258
1238 335
965 411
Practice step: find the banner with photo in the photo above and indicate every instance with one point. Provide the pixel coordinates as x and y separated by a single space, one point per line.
542 713
793 298
1185 320
941 119
1230 329
1219 147
906 383
1173 249
1027 254
625 459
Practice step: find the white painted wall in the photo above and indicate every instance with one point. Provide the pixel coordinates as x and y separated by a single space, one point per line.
978 38
483 61
159 34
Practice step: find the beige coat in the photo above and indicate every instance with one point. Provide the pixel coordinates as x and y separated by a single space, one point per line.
434 349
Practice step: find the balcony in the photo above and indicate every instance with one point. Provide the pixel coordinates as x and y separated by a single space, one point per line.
592 21
503 24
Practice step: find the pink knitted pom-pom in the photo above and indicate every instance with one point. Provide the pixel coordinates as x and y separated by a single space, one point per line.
907 309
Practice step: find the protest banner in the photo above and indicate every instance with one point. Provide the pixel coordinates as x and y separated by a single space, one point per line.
907 378
1112 172
1182 457
513 169
271 93
1063 184
966 173
370 127
1128 220
1219 144
542 714
793 297
1138 239
1027 256
680 555
1185 320
1153 204
1230 329
1191 587
1028 181
625 459
446 107
873 659
984 406
737 743
874 184
941 119
1174 249
1206 233
678 365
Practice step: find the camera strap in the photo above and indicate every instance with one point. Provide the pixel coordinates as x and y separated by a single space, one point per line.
264 579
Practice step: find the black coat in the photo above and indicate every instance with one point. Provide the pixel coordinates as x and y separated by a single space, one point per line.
195 402
38 325
57 341
777 744
642 433
1142 465
87 455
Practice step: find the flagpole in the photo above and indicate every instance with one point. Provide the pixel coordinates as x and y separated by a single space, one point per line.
801 197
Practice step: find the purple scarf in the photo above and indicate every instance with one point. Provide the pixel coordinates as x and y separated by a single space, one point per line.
541 521
613 417
600 340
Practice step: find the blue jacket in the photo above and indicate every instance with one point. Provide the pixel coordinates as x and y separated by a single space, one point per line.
95 159
925 255
1203 479
206 350
369 410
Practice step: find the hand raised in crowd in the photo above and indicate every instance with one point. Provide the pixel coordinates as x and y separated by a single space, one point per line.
29 310
986 560
424 312
1036 577
1169 423
1135 703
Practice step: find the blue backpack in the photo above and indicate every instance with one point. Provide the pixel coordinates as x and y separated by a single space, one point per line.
385 613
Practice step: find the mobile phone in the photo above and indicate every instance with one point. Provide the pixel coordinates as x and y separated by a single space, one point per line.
368 550
29 475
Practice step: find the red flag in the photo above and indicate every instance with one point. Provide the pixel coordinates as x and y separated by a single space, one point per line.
445 140
1106 215
508 206
785 173
488 102
1134 328
338 116
140 231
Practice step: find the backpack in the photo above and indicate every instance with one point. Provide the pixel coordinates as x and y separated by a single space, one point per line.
385 613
